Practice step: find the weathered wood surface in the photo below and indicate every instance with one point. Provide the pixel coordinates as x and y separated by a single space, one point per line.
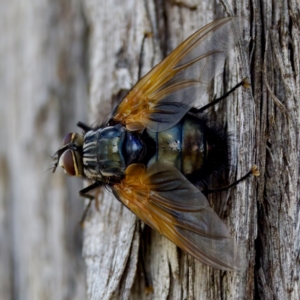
43 85
262 214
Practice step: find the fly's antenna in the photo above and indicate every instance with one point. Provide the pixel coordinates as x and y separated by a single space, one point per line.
57 156
51 168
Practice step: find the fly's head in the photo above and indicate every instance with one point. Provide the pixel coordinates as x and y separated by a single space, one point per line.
69 156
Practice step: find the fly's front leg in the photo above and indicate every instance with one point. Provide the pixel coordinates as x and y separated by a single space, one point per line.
84 193
83 126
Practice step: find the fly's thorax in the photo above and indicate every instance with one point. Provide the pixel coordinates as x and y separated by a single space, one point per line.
108 151
102 152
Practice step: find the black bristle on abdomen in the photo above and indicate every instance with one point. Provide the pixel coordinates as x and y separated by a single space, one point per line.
217 158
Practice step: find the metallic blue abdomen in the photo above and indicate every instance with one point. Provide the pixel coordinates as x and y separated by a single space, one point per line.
183 145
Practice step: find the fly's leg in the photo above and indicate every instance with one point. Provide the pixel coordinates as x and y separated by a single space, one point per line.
254 171
244 83
83 126
84 193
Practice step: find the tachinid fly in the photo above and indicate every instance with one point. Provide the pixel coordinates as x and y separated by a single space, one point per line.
156 151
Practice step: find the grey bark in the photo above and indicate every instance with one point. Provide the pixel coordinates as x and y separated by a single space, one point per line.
43 84
262 213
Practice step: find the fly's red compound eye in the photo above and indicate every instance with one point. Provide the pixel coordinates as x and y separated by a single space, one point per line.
68 138
70 154
67 162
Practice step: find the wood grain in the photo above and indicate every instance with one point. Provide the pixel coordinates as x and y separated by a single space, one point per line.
62 59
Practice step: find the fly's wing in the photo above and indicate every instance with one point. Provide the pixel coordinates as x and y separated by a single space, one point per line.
165 200
164 95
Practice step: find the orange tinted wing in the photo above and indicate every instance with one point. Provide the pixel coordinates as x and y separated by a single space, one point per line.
164 95
165 200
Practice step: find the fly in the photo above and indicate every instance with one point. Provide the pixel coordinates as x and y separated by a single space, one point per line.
157 150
